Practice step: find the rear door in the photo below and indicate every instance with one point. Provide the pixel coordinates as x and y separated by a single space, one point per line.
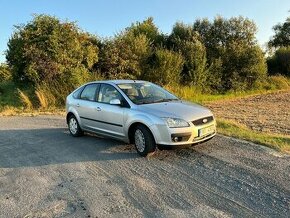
87 106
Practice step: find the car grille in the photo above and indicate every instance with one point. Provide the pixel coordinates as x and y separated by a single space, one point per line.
201 121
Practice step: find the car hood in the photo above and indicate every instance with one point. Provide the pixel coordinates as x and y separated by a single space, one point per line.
177 109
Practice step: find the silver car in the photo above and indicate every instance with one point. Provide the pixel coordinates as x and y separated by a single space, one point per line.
137 112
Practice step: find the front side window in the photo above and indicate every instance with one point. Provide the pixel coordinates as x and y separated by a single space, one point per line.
89 92
108 93
146 93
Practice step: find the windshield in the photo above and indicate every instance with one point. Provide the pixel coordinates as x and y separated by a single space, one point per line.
146 93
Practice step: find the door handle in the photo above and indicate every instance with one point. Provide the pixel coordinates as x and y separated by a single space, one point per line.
98 109
78 105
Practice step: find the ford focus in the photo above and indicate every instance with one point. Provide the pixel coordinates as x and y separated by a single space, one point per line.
137 112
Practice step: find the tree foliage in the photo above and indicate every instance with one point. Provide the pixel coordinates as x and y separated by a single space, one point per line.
47 49
214 56
5 73
279 63
232 44
164 67
187 41
282 35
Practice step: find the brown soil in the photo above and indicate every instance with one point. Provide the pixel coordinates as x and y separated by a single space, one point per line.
265 113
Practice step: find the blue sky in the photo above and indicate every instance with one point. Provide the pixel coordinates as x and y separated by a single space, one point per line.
107 17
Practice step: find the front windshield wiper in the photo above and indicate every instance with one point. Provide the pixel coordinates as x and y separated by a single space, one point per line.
157 101
165 100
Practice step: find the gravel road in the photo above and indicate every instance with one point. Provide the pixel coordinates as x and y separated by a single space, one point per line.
44 172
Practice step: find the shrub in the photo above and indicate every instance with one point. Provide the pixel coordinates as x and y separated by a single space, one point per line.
164 67
5 73
46 49
279 63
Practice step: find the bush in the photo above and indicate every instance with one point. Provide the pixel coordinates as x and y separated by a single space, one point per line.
5 73
47 49
279 63
273 83
164 67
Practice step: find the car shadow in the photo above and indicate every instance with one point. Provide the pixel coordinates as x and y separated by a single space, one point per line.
38 147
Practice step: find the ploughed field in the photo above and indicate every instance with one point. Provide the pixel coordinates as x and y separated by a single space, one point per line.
266 112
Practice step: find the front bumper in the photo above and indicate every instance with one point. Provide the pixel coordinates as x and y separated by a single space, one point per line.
182 136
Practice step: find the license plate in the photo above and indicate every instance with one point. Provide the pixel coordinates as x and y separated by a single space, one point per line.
206 131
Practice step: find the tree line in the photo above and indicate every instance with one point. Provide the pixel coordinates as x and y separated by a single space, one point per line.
214 56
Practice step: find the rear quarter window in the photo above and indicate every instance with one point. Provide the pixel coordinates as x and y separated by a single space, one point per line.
77 93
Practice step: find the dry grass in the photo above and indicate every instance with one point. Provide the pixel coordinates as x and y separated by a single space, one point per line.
41 98
25 100
13 111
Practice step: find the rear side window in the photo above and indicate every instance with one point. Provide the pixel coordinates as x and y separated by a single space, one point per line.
89 92
77 93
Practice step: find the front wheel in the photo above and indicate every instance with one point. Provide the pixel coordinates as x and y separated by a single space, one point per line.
74 127
144 141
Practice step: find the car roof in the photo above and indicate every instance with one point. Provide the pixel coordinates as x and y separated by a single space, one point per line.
120 81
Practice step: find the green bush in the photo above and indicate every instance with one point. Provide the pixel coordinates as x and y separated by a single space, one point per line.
279 63
164 67
47 49
5 73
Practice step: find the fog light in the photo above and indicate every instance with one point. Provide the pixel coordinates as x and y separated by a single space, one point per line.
175 139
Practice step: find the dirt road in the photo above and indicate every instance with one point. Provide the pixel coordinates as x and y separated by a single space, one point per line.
265 113
44 172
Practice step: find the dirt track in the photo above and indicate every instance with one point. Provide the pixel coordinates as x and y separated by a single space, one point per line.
266 113
44 172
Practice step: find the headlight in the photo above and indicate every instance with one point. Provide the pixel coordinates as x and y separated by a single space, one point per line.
175 122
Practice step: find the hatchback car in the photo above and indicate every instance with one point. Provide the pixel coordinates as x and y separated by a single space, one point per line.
137 112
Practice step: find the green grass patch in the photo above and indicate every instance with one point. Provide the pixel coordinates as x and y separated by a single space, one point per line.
233 129
9 95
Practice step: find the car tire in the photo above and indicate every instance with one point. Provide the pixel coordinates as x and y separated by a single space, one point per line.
74 127
144 141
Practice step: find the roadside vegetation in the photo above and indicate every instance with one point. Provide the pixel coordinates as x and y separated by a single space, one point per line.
277 141
206 60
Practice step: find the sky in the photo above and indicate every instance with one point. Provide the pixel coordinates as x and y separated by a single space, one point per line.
107 17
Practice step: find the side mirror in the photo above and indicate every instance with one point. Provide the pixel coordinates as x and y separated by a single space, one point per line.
115 102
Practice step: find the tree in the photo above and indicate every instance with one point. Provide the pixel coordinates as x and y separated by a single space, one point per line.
5 72
282 35
185 40
279 63
147 28
231 47
164 67
46 49
124 56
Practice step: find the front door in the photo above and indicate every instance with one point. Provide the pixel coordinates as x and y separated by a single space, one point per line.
110 117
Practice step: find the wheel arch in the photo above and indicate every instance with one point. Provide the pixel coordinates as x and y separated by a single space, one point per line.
133 126
73 112
69 114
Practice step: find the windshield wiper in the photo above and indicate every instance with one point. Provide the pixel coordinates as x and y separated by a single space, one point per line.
166 100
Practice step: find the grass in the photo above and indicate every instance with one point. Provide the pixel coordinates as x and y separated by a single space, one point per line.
25 99
8 95
233 129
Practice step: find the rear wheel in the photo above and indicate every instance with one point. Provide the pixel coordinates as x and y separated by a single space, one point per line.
74 127
144 141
